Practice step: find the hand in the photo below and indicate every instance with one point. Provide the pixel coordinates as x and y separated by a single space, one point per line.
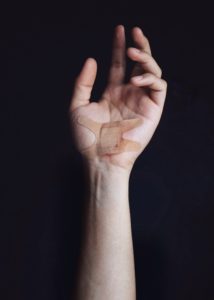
117 129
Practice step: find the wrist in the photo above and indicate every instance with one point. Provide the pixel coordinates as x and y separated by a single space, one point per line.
106 170
107 181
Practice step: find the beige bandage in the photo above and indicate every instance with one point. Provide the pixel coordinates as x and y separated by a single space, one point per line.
108 136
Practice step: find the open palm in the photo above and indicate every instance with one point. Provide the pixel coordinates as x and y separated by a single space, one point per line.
139 102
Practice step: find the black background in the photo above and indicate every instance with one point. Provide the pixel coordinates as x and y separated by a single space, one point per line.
43 47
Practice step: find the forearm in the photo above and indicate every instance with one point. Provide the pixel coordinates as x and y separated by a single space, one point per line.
106 269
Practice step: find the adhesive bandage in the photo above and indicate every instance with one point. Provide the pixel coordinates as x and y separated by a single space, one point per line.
108 136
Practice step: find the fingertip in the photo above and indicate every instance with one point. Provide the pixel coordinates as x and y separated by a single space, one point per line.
132 52
91 61
119 30
138 80
133 49
91 64
120 27
137 30
134 81
88 72
129 50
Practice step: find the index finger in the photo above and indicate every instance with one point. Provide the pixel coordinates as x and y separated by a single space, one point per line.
141 40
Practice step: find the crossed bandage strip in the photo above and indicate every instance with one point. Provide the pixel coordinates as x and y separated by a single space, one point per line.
108 136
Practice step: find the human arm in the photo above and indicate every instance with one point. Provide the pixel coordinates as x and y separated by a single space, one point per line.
110 135
106 265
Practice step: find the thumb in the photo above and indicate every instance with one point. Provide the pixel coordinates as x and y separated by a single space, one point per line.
84 84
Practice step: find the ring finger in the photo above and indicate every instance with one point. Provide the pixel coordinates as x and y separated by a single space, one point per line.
146 63
142 43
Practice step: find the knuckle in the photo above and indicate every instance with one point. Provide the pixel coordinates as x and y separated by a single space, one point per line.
146 57
164 83
146 39
117 63
147 44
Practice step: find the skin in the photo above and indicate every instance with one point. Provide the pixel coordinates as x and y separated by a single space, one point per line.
106 267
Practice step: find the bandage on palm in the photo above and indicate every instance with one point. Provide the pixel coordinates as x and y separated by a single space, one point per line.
108 136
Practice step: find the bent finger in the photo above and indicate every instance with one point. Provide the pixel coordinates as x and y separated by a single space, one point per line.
157 86
140 40
145 60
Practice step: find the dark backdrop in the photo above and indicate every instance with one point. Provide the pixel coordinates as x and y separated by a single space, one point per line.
42 187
